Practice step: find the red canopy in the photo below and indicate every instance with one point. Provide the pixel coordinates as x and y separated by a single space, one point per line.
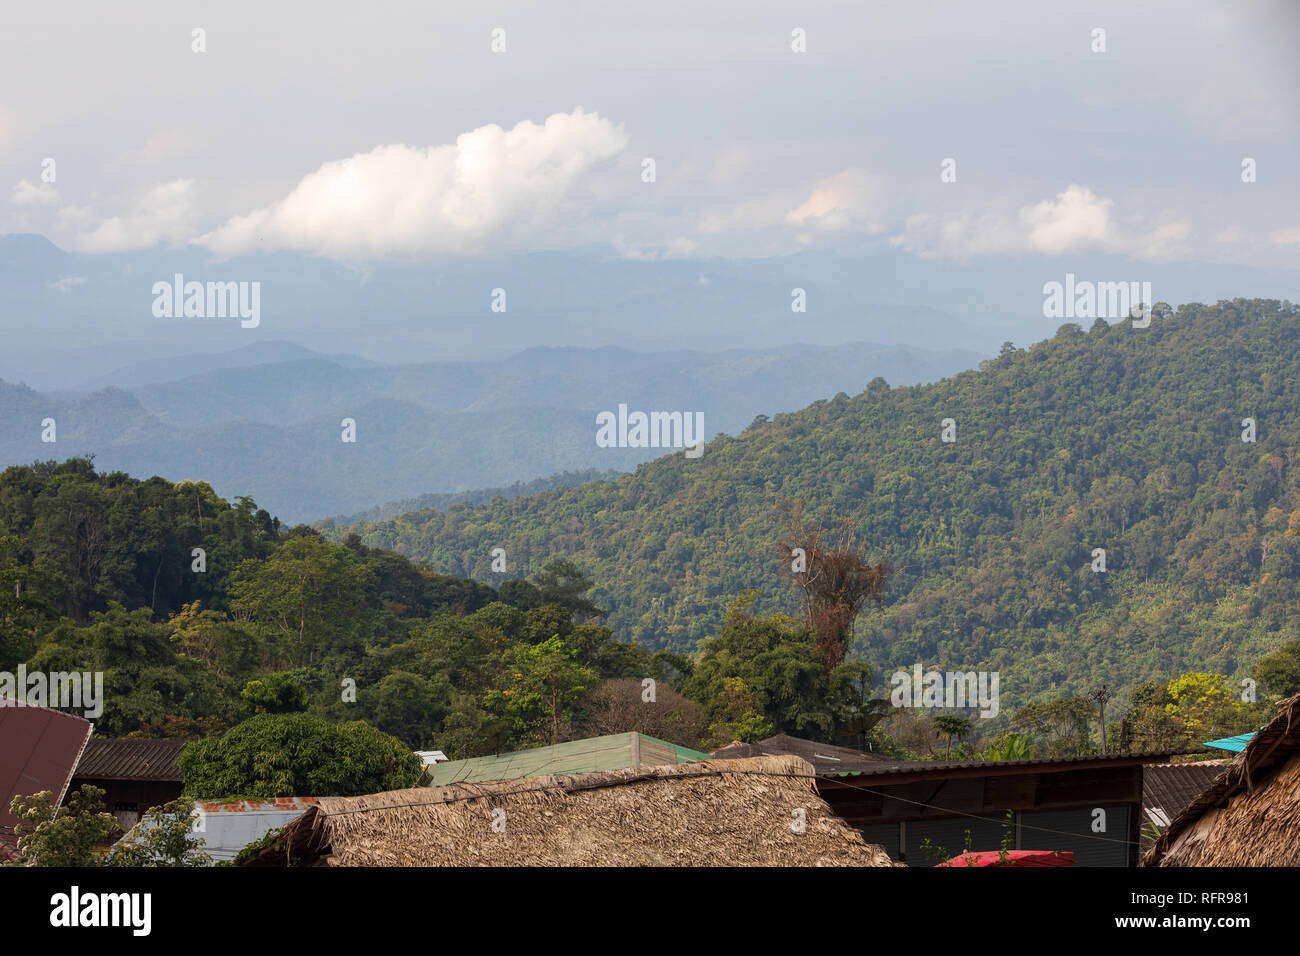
1015 858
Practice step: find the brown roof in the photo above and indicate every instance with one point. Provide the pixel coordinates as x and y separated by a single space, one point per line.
824 757
1250 814
108 758
40 748
832 761
758 812
1170 787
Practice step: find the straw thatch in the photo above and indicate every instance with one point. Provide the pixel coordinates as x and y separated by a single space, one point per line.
710 813
1250 815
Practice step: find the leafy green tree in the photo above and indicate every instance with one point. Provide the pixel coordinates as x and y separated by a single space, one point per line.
1279 673
561 582
283 755
164 837
1010 746
69 835
776 663
1063 723
278 693
22 610
948 727
306 590
521 593
544 684
407 706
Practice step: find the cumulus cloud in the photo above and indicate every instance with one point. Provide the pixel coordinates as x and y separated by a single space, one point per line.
33 194
1075 219
846 201
486 192
163 214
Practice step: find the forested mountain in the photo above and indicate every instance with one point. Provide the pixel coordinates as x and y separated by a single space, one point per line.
273 428
475 496
1117 438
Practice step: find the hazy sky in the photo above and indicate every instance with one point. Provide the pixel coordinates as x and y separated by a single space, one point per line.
391 130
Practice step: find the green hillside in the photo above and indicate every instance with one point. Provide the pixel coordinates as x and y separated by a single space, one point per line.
1114 437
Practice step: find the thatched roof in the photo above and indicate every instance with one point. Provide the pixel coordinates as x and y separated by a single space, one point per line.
1250 815
710 813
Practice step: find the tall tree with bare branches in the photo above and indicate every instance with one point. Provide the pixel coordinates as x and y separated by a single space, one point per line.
835 582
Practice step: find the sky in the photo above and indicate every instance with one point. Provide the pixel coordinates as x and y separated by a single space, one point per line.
393 131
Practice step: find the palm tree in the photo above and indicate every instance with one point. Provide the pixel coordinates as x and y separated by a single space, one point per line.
950 727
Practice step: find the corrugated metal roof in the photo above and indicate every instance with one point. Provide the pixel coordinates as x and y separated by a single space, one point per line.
40 748
1168 788
1172 786
108 758
1236 744
575 756
226 827
895 767
825 758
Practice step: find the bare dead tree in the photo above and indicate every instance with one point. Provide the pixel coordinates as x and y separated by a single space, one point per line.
835 582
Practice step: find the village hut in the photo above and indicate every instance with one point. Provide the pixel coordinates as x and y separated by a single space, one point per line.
1250 815
763 811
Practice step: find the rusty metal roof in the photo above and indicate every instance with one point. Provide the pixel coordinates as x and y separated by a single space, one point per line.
108 758
40 749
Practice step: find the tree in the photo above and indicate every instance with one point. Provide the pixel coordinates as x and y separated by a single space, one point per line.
283 755
1279 673
274 694
1203 706
762 672
621 705
520 593
544 684
164 837
948 726
561 582
1064 722
22 610
407 706
834 582
306 590
69 835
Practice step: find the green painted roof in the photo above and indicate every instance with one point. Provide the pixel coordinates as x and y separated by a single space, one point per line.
575 756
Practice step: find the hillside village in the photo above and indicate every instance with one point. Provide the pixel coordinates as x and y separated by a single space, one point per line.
268 695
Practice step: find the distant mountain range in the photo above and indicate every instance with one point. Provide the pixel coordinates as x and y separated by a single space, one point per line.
1175 449
68 319
266 419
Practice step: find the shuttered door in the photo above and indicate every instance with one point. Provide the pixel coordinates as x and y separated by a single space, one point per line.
1074 833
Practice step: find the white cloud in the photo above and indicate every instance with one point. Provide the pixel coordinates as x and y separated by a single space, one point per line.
68 283
845 201
487 192
163 214
1285 237
677 248
1074 219
31 194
